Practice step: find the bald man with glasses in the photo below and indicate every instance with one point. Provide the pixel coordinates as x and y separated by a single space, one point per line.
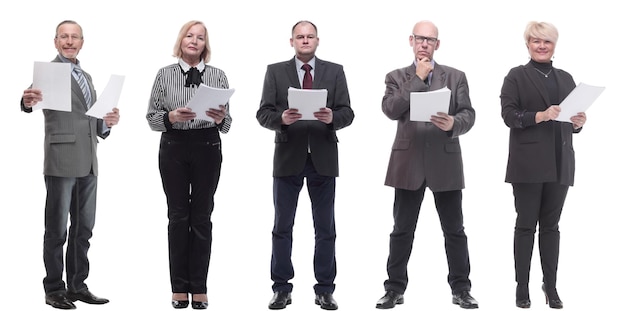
427 155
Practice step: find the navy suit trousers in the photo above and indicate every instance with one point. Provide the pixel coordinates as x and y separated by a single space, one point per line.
322 193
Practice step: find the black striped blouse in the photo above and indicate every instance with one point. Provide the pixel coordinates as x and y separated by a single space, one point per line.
169 93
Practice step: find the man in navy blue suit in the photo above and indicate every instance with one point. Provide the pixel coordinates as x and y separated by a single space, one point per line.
304 148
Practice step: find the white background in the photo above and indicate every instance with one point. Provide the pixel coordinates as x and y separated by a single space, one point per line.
483 38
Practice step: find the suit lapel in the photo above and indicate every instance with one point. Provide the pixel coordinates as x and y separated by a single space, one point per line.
320 70
76 91
292 73
438 79
529 71
564 90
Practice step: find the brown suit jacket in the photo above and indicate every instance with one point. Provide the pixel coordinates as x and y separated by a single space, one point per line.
421 152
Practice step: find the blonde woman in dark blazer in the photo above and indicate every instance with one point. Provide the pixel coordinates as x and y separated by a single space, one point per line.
541 156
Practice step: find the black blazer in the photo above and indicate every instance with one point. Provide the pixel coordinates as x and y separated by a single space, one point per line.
532 147
293 141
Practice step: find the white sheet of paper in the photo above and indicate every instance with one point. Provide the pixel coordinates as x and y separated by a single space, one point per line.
578 100
108 99
207 97
307 101
54 81
426 104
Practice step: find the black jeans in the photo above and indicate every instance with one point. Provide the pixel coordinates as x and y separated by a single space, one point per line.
190 162
405 214
75 197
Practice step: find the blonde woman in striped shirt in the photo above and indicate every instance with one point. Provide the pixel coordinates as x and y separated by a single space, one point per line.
190 160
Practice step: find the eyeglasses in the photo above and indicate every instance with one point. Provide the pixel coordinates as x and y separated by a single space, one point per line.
420 39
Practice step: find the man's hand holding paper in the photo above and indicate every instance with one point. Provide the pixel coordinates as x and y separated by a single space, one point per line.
308 102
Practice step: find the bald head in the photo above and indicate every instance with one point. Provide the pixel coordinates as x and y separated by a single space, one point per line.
426 28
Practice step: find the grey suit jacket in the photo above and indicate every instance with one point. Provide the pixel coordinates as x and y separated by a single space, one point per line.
533 156
71 138
422 152
293 141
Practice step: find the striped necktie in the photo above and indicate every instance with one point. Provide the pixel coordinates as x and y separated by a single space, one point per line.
84 86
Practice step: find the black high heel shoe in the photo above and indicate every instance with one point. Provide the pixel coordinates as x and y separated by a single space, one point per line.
180 304
199 304
522 299
523 303
196 304
554 301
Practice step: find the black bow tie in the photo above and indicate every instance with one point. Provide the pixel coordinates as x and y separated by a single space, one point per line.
193 77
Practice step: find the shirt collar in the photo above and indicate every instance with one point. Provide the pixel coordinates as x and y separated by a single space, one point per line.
65 60
186 66
299 63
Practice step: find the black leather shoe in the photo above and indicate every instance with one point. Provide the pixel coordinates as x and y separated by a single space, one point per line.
464 300
326 301
199 304
87 297
280 300
390 300
59 300
552 298
180 304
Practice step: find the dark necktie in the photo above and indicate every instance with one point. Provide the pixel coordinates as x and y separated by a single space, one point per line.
307 82
84 86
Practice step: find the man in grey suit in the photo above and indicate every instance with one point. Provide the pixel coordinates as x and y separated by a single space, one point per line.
427 154
70 173
304 149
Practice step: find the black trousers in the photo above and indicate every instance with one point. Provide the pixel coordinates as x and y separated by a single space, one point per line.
405 214
537 203
190 163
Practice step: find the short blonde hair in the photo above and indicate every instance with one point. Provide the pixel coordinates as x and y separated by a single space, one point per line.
206 54
541 30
